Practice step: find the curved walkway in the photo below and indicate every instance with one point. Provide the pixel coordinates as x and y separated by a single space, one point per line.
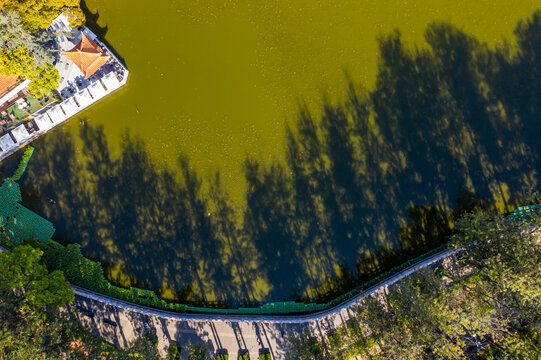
235 333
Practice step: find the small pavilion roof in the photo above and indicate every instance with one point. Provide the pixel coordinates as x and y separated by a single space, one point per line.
97 90
111 82
84 98
69 106
44 122
20 133
6 142
87 55
57 114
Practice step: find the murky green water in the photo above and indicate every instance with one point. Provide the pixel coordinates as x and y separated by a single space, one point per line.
218 81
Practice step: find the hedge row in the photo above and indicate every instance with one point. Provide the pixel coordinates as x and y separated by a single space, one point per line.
23 164
89 274
384 276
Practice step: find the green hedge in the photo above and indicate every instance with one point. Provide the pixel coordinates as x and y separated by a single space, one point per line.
23 164
384 276
89 274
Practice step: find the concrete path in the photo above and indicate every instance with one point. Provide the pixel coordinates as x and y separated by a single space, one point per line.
235 334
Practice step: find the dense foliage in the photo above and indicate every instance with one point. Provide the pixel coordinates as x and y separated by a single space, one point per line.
13 35
89 274
198 352
44 79
26 54
33 328
22 164
28 283
38 14
486 305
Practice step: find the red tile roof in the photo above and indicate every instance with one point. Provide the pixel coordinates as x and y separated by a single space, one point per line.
87 55
7 82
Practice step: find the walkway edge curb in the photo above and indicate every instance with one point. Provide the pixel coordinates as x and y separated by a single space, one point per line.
284 319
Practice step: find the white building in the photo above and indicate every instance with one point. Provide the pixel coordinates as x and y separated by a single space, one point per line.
70 107
97 90
44 122
20 133
7 143
57 114
84 98
111 82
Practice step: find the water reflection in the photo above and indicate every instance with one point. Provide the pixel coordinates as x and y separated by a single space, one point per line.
377 179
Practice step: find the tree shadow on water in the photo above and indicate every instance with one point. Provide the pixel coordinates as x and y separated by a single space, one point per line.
373 181
91 21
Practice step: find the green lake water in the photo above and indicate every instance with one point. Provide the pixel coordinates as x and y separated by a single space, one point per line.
218 81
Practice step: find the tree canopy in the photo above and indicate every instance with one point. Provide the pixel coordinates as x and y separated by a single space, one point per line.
26 54
197 352
14 35
32 328
28 281
38 14
44 79
486 305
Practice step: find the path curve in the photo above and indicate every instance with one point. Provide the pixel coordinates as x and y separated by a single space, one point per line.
235 333
286 319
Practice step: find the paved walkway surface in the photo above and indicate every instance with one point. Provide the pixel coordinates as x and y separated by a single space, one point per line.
235 334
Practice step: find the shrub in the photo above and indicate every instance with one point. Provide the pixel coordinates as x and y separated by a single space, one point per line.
174 352
23 164
89 274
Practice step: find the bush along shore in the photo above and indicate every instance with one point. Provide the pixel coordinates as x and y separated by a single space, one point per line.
486 305
89 274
